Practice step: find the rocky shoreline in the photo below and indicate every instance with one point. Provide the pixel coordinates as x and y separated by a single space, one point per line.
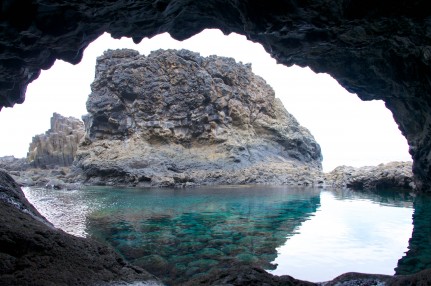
48 256
395 175
177 119
33 252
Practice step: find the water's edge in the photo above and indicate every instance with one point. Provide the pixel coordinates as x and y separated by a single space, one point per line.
270 256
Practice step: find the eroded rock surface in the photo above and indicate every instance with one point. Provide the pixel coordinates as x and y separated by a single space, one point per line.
13 164
58 146
33 252
176 118
390 175
377 50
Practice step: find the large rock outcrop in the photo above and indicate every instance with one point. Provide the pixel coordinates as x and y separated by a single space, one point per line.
33 252
379 50
175 117
58 146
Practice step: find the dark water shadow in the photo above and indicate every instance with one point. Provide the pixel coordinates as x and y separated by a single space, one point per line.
418 257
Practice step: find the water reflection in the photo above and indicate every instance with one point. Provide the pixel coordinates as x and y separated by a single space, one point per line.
351 232
179 234
306 233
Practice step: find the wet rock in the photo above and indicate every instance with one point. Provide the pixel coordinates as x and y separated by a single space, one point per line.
243 275
33 252
175 118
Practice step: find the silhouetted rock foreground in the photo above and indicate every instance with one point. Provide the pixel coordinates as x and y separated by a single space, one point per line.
174 118
33 252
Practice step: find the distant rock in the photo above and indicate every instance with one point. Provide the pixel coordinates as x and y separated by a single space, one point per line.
175 118
13 164
50 156
390 175
58 146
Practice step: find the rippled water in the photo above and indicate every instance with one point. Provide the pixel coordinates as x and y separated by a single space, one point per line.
182 233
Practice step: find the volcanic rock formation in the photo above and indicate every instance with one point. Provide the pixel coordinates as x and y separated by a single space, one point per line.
379 50
390 175
57 147
176 118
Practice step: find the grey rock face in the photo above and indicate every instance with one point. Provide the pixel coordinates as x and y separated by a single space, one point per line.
390 175
58 146
377 50
175 117
11 163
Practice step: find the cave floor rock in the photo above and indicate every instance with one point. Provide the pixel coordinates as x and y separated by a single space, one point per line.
33 252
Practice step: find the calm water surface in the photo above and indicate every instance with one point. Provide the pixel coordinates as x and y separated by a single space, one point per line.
182 233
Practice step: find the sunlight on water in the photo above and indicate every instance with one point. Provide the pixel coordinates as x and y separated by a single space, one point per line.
179 234
66 209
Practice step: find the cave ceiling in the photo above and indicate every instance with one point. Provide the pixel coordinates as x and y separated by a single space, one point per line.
376 49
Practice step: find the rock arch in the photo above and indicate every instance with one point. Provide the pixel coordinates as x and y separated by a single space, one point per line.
379 50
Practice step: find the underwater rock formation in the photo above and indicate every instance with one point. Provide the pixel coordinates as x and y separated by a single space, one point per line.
176 118
58 146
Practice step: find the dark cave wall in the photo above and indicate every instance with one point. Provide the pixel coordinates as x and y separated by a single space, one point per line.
377 49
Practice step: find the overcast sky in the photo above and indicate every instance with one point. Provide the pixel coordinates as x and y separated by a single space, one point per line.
349 131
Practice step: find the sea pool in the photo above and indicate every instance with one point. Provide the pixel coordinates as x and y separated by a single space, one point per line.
178 234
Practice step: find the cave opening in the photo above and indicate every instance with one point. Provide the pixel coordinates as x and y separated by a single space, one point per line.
350 131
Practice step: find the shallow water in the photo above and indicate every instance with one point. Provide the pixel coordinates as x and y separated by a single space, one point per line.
178 234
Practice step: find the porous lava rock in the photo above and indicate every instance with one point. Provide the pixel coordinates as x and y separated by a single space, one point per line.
391 175
176 118
33 252
58 146
378 50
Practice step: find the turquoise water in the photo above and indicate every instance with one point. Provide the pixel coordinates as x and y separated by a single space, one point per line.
178 234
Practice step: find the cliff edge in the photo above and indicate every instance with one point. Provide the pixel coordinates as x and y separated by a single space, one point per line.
175 118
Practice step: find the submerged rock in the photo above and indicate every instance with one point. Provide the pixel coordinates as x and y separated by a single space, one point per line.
57 147
175 118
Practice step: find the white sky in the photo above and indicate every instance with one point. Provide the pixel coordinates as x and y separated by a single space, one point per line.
349 131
